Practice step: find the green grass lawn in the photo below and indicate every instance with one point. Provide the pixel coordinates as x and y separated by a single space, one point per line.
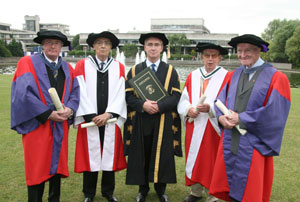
286 181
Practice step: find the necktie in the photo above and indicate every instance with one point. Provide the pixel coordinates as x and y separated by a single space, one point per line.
153 68
55 72
102 66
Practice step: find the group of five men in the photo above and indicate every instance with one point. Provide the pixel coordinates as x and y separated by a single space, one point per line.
230 165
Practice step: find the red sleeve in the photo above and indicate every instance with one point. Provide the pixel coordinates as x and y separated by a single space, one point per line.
188 86
79 68
281 83
122 70
226 80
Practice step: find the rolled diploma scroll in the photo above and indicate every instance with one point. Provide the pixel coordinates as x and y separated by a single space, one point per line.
55 99
200 102
225 111
90 124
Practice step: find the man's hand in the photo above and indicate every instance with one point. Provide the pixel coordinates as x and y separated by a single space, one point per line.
101 119
203 108
193 113
229 121
66 113
150 107
55 116
60 116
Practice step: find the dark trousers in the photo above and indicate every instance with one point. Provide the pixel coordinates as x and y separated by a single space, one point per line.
35 192
90 180
160 188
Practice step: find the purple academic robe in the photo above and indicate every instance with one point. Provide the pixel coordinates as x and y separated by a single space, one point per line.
45 145
265 118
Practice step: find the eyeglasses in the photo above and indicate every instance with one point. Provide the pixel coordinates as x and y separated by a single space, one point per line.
100 43
153 44
213 56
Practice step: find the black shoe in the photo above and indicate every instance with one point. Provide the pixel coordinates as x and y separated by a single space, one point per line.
140 198
192 198
163 198
111 198
88 199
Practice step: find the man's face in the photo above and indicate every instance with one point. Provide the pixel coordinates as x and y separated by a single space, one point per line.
248 54
52 48
210 58
102 47
153 47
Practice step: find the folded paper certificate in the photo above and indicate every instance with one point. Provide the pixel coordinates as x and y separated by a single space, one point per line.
148 86
225 111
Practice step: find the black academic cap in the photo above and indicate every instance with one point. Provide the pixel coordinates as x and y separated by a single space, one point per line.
51 34
160 36
250 38
106 34
202 46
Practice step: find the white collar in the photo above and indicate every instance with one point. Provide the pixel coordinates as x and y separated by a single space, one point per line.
99 61
148 63
259 62
206 75
49 60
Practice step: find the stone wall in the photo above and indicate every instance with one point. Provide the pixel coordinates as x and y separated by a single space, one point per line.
6 61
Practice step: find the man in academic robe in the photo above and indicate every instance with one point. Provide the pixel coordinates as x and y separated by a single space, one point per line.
44 130
202 131
258 98
102 97
153 129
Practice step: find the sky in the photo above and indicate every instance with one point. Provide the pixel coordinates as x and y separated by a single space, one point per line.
223 16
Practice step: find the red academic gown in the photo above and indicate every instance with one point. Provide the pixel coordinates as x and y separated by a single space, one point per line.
89 155
202 135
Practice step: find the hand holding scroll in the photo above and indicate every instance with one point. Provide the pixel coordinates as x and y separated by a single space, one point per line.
90 124
55 99
201 101
226 112
62 112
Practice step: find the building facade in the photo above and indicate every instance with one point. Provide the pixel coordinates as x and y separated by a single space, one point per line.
31 26
193 28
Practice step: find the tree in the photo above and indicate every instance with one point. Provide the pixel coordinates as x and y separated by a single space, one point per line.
15 48
193 52
4 52
292 48
280 36
129 50
75 43
177 41
268 33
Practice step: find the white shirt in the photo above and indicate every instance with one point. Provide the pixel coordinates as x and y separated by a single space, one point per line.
259 62
99 61
49 60
148 63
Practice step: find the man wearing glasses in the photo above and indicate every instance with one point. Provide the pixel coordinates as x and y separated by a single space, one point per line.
45 130
102 97
202 131
152 131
